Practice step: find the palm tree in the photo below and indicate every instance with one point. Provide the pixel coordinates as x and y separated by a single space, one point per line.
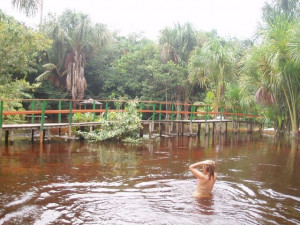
30 7
176 45
210 65
75 40
276 66
287 7
284 71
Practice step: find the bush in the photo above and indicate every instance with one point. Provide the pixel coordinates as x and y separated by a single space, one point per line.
118 126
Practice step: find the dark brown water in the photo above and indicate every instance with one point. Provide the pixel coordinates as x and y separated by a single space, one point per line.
109 183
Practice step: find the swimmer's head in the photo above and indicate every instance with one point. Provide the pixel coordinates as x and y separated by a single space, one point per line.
209 168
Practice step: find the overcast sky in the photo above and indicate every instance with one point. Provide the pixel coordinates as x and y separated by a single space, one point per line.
231 18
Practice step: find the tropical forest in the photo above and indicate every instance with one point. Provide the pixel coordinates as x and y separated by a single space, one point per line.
68 56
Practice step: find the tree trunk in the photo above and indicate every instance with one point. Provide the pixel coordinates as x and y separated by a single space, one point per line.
76 82
295 129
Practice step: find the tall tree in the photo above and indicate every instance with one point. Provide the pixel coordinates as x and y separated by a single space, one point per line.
75 40
20 51
210 65
20 47
276 63
176 45
30 7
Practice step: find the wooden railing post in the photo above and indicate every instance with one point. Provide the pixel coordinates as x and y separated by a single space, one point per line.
206 124
160 108
233 121
151 126
172 112
159 118
178 112
32 108
42 132
141 108
94 108
192 117
70 117
153 113
221 118
106 111
59 114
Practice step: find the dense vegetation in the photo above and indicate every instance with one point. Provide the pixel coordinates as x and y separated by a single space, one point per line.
71 57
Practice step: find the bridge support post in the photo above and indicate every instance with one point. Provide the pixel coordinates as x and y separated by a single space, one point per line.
171 128
260 127
12 136
42 131
249 127
234 127
42 136
81 128
198 129
221 118
151 128
6 136
32 135
141 133
221 128
206 128
49 134
160 129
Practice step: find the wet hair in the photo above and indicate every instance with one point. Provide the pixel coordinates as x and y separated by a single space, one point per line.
210 169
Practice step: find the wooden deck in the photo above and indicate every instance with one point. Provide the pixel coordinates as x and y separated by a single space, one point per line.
29 126
168 127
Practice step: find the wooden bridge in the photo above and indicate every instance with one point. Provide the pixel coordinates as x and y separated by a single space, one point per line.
162 118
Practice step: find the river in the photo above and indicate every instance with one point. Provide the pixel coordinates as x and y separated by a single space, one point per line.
72 182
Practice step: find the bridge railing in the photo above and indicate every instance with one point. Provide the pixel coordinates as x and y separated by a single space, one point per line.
148 110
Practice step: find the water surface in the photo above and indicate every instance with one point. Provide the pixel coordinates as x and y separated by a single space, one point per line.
112 183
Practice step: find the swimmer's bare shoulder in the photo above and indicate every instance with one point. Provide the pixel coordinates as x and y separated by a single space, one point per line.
206 178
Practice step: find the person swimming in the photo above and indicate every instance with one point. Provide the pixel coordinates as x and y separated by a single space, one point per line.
206 178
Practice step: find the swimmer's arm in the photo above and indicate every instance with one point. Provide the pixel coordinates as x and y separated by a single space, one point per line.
197 173
205 162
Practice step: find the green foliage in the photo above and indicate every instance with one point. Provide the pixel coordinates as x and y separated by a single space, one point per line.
276 67
211 65
20 48
75 40
118 126
83 117
29 7
131 71
13 91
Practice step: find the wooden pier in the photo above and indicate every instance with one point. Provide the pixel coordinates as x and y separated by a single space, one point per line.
172 124
166 127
